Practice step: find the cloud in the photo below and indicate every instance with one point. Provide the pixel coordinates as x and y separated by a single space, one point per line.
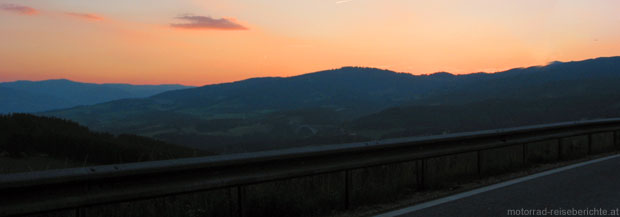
205 22
24 10
92 17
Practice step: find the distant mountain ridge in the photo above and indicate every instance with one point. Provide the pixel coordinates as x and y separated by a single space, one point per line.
345 87
37 96
348 104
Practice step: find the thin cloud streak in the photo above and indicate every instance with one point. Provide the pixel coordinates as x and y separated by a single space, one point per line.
20 9
344 1
86 16
206 22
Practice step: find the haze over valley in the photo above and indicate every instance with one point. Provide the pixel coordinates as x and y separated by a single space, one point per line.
38 96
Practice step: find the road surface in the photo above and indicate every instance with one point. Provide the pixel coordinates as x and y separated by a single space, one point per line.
586 189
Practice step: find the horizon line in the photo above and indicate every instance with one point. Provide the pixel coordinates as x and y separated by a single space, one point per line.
342 67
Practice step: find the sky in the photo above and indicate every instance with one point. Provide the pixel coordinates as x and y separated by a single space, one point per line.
199 42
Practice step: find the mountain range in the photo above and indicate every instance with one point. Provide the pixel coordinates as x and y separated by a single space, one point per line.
38 96
356 104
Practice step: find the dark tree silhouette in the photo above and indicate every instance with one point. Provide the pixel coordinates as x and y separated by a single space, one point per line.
24 134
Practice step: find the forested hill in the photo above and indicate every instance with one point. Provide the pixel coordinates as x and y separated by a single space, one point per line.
24 136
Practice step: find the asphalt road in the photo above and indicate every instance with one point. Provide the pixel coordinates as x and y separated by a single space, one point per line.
586 189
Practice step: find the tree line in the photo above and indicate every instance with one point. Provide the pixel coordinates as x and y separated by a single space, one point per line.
23 135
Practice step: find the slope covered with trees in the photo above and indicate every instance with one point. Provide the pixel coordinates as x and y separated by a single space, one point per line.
24 136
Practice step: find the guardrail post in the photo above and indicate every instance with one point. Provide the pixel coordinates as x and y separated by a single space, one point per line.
615 140
560 157
420 173
524 147
80 212
478 164
589 143
240 194
347 189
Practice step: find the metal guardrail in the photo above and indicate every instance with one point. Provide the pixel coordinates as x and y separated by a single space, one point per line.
43 191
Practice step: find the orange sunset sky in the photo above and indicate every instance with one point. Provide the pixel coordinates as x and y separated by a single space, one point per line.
198 42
